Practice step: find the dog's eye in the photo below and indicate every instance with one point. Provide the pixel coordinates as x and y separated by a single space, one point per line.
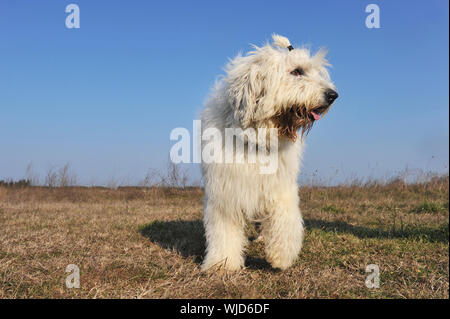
298 72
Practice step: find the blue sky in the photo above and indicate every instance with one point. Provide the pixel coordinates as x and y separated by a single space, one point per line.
106 96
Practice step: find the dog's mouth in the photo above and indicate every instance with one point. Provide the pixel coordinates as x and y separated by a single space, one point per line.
297 117
317 113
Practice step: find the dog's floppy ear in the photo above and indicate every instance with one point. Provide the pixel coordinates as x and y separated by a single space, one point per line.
244 88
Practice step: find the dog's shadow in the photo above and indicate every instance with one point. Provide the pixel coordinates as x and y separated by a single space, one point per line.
187 237
414 233
184 236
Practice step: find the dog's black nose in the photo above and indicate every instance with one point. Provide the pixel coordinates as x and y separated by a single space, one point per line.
330 96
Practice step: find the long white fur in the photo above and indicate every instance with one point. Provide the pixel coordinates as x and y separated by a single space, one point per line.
256 87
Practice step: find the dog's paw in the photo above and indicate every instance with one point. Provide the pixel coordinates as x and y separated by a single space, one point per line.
222 265
280 262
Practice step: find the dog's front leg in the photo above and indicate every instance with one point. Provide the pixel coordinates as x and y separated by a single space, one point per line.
225 239
283 231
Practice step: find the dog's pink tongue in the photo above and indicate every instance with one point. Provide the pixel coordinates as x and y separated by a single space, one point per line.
315 115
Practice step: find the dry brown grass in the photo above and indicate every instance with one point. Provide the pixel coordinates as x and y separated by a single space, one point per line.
147 243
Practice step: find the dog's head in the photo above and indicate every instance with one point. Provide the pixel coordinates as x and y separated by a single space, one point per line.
279 86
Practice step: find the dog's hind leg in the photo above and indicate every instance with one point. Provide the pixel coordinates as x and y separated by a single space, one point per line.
283 231
225 240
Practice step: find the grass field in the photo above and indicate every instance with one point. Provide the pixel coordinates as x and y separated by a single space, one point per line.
148 243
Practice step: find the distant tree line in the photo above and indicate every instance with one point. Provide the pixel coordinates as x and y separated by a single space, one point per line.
15 184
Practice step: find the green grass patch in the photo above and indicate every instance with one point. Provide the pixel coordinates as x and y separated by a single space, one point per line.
333 209
430 207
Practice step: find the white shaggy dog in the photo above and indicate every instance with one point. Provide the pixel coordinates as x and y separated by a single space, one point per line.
274 86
